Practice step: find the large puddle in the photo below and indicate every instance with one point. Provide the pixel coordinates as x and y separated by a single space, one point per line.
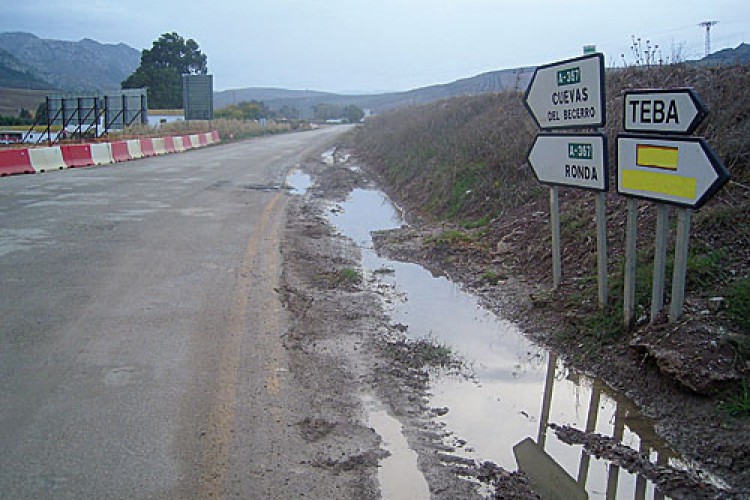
517 387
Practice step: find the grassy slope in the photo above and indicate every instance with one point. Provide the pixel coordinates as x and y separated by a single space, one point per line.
463 160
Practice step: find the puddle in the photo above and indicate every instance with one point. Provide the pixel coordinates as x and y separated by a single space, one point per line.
517 387
298 182
398 474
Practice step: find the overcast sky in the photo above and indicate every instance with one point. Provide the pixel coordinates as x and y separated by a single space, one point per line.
385 45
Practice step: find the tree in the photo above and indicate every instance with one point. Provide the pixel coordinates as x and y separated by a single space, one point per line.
353 113
245 110
162 67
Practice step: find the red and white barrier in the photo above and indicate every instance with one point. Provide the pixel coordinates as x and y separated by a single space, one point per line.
169 144
47 159
31 160
147 147
101 153
15 161
120 151
134 148
159 145
77 155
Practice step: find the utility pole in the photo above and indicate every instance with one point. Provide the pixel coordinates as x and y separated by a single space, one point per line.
707 25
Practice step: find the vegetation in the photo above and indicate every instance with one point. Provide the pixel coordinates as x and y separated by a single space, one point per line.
162 67
463 161
228 129
245 110
738 405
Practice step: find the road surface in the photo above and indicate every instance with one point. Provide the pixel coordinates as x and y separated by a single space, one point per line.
140 328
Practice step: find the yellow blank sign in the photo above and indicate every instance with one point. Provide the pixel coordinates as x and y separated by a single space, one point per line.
657 156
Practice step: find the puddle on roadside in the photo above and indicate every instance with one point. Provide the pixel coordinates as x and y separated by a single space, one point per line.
518 387
298 182
398 474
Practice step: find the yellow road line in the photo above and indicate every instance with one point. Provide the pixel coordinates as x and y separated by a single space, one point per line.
221 419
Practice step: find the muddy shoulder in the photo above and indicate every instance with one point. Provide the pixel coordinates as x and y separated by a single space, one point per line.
677 374
345 350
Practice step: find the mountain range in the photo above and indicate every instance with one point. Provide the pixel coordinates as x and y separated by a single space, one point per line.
38 63
29 62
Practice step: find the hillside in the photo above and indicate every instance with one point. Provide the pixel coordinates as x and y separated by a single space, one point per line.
725 57
15 75
495 81
459 168
73 66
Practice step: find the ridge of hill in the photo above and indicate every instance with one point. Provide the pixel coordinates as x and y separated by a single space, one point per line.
305 100
72 66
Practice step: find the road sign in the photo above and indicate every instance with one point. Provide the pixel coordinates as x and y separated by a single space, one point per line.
578 160
568 94
670 111
679 171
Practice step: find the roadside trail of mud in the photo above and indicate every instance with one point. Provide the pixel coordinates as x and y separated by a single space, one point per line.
361 371
342 329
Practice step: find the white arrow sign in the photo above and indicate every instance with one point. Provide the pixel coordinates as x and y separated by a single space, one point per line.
568 94
578 160
671 111
680 171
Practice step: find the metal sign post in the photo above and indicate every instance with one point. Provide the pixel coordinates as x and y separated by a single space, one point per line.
570 94
681 171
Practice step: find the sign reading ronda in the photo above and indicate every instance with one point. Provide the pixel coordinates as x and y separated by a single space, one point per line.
578 160
568 94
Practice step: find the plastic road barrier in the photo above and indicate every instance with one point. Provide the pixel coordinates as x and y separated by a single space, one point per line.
47 159
159 146
196 140
77 155
179 145
187 143
15 161
216 136
203 139
169 144
120 151
134 148
147 147
101 153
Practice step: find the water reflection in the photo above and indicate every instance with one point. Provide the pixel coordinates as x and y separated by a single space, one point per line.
517 387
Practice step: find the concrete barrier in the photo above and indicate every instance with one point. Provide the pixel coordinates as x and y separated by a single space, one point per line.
203 139
179 145
195 139
169 144
77 155
15 161
159 146
134 148
147 146
47 159
101 153
120 151
187 143
216 136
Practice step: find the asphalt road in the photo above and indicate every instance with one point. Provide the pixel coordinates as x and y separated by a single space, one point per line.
135 303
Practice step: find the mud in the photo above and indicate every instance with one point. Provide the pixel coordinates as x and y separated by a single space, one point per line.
364 373
343 340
